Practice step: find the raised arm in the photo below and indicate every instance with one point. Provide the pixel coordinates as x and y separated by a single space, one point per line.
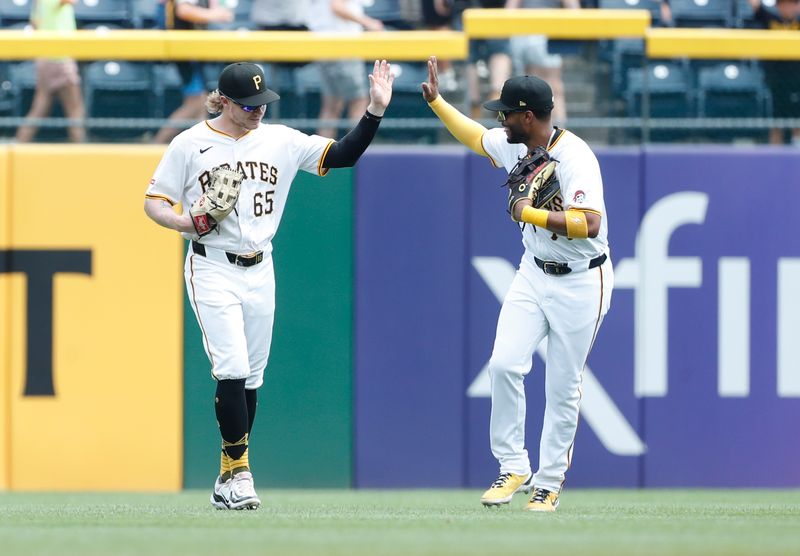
467 131
346 151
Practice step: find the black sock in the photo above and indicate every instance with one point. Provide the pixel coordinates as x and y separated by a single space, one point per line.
252 403
231 409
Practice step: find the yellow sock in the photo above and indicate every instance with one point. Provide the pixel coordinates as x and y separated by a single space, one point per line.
241 464
224 465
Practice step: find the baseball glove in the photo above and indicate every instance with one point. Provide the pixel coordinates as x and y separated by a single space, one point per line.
217 201
534 178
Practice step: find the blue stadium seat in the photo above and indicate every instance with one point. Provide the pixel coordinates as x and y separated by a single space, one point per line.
408 77
6 103
702 13
115 12
19 26
626 54
211 71
407 101
6 98
15 11
147 13
732 90
743 14
22 76
608 49
119 89
407 90
168 86
653 6
301 92
668 86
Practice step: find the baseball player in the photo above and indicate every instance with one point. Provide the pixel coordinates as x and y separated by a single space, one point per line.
228 270
560 293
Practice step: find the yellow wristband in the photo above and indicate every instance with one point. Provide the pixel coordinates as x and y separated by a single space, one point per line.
577 227
537 217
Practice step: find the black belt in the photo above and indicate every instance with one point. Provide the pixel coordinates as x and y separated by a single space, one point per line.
557 269
239 260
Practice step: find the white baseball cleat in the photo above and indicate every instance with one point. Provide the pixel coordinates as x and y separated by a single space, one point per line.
242 493
219 498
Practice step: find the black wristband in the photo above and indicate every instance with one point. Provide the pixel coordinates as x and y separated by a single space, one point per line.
370 116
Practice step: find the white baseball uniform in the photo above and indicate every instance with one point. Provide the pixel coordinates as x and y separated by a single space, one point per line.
566 309
235 304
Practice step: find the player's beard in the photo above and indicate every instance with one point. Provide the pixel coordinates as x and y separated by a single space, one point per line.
514 134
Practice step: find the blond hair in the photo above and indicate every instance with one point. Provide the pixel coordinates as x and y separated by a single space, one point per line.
214 102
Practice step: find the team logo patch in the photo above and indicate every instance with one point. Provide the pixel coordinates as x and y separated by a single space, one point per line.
579 196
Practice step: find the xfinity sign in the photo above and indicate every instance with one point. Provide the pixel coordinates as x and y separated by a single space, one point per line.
696 365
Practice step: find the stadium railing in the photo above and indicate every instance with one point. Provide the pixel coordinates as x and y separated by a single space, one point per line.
414 47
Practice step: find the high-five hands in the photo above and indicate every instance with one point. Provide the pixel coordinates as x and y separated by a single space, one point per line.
380 87
430 89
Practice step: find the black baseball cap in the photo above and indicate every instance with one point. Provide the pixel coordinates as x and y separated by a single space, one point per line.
244 83
524 92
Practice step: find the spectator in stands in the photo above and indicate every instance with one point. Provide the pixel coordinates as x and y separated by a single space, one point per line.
186 15
783 78
344 83
55 77
396 15
495 53
530 53
280 15
665 15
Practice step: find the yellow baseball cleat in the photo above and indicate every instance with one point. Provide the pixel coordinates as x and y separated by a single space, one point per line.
543 500
504 488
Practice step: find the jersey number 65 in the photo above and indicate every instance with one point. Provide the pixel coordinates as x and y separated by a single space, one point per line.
262 203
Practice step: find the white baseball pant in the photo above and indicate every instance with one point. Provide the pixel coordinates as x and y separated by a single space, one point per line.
235 308
567 310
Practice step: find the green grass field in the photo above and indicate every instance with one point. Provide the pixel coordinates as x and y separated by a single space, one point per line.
409 522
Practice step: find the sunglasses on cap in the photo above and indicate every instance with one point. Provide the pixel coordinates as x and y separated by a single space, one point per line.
503 115
245 107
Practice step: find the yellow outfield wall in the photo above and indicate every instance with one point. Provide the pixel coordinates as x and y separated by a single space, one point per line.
5 320
92 359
